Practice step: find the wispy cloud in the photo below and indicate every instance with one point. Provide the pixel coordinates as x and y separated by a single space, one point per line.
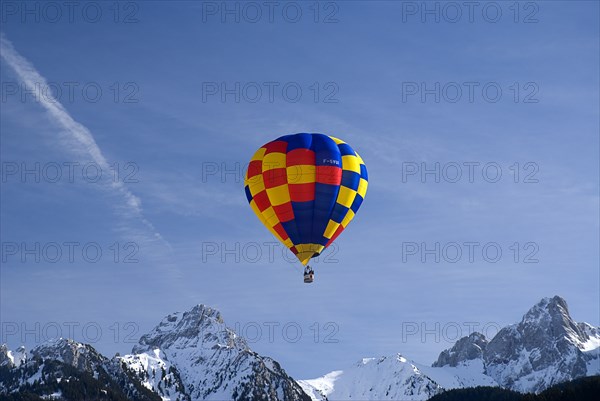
79 139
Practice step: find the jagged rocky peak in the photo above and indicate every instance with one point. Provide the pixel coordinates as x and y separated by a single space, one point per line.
12 358
81 356
203 359
545 348
465 349
589 331
551 314
201 326
549 321
5 356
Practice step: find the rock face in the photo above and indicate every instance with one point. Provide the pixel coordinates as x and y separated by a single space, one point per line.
545 348
83 357
5 358
10 358
465 349
202 359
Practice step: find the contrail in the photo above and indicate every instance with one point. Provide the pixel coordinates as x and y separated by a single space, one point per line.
81 137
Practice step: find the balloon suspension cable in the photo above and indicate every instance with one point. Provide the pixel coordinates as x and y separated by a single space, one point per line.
299 269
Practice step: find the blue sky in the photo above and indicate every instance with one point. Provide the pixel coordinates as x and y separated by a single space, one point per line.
172 210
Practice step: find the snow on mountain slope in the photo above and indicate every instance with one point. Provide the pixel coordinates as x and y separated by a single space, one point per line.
469 373
157 375
318 388
590 338
386 378
378 379
207 361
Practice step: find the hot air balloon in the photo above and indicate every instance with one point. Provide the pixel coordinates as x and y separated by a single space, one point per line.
306 189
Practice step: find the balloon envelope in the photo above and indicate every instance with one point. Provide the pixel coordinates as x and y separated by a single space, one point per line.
306 189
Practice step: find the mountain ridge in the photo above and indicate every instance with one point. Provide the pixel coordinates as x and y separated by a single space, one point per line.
545 348
193 355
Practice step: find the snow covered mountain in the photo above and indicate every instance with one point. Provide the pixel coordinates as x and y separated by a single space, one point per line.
187 357
547 347
466 349
386 378
200 358
394 378
65 369
194 356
